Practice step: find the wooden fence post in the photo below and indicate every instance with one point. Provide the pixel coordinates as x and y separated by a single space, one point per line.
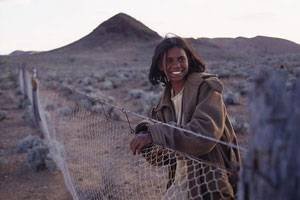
21 80
35 106
25 84
272 165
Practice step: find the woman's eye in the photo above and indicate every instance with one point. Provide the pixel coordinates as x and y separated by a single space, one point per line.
181 59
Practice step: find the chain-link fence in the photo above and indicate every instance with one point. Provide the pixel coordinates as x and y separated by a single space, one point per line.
89 141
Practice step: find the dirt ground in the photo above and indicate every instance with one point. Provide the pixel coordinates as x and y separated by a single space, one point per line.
17 179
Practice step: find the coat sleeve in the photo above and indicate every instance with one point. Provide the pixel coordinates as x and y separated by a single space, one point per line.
208 120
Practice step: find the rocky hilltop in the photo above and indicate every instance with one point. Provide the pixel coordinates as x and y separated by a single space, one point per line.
119 30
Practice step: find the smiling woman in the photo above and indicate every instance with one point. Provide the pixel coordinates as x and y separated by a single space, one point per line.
192 100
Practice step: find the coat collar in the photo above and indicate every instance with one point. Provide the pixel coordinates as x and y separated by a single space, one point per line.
192 82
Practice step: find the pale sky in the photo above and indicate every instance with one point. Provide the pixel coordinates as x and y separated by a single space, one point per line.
47 24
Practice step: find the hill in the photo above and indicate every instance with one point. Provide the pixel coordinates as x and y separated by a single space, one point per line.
256 46
124 40
119 30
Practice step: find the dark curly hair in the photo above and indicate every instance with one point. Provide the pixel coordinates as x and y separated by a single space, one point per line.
195 63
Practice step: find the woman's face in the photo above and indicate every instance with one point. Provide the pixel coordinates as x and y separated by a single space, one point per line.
175 65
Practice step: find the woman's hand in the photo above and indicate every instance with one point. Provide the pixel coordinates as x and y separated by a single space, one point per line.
139 142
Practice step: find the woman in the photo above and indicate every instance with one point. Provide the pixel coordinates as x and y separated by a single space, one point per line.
192 100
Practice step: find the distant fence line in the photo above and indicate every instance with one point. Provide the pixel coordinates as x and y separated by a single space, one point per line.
28 85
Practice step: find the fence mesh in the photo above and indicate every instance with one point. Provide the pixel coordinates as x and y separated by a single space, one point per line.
89 141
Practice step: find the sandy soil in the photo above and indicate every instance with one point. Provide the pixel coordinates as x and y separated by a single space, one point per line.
17 180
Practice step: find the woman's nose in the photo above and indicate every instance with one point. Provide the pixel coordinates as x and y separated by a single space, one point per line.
176 63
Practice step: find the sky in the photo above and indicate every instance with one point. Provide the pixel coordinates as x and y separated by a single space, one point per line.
47 24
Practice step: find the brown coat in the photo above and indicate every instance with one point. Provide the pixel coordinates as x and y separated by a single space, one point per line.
203 112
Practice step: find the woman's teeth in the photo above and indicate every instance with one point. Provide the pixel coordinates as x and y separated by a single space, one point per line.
176 72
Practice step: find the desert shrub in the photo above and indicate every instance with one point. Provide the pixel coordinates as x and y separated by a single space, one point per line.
50 164
143 100
86 103
49 107
8 80
23 102
146 84
107 85
117 82
151 98
244 88
135 94
66 91
140 107
99 77
3 115
54 84
28 143
52 77
38 157
124 76
87 89
68 81
97 109
3 161
239 125
231 98
87 81
65 111
98 94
